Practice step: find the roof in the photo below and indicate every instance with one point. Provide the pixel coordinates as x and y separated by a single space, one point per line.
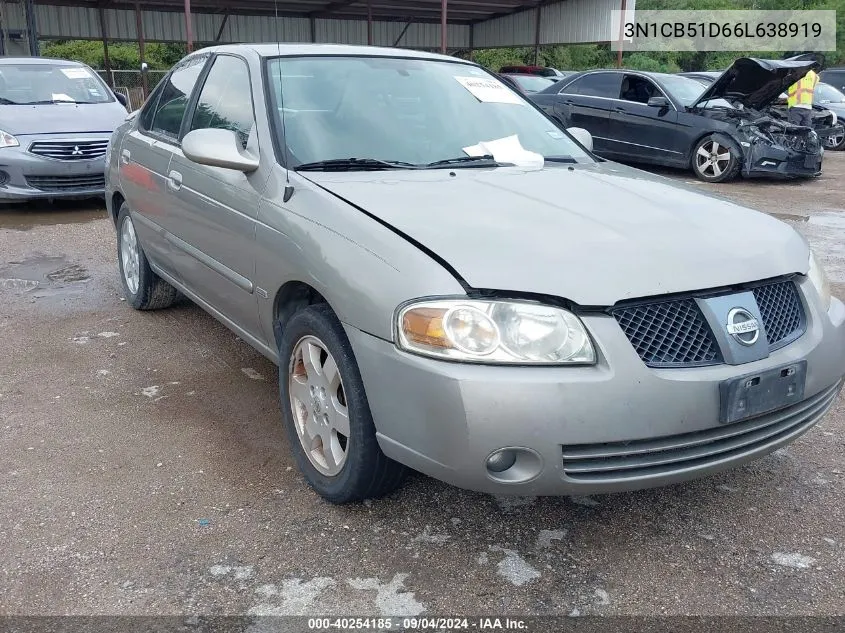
17 61
459 11
276 50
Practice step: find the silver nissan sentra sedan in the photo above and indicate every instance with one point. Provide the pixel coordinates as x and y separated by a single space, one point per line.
451 283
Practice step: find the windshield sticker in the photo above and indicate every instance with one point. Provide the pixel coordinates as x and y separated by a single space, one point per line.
62 97
489 90
506 150
75 73
93 92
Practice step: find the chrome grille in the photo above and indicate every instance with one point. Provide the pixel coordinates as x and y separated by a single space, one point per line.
782 312
644 459
87 182
669 333
70 150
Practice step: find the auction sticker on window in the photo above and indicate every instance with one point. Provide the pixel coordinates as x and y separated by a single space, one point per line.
76 73
489 90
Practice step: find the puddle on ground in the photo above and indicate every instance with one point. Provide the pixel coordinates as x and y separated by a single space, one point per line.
43 276
24 218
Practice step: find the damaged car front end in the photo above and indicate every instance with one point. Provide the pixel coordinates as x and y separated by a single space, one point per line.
743 97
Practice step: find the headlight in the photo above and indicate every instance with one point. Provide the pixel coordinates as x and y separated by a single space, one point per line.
819 279
510 332
7 140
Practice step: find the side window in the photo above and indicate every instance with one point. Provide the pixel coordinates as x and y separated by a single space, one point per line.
638 89
174 97
595 85
149 108
225 101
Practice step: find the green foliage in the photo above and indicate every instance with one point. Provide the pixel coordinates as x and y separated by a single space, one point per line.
123 56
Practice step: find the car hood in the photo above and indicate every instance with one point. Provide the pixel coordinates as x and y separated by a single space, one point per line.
594 234
61 118
756 83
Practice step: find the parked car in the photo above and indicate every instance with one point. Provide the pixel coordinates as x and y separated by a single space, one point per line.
431 298
826 96
834 76
527 84
56 118
827 120
542 71
664 119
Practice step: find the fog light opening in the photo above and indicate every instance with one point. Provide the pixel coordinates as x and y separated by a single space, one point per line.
501 460
513 465
4 178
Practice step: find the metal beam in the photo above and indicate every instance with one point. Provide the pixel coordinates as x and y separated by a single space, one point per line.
31 27
2 27
369 23
104 34
222 26
139 29
313 22
621 25
444 9
402 34
189 27
537 37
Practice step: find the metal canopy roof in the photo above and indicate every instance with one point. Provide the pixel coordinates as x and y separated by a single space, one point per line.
458 11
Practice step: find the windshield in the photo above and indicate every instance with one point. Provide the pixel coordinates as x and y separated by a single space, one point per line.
825 93
532 83
687 91
23 84
402 110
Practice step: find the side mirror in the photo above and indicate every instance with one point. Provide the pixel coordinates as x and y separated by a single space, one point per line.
658 102
144 67
582 136
121 99
218 148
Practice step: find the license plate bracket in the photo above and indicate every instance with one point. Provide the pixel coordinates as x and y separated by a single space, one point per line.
762 392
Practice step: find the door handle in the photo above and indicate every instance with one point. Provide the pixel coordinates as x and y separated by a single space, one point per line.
125 156
174 180
620 109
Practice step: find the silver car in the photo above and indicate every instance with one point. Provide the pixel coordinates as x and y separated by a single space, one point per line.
56 118
451 283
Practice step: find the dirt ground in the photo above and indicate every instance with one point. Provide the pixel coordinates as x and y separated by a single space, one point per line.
144 471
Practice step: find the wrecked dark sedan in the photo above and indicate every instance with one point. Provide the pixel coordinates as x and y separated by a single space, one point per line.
667 120
827 109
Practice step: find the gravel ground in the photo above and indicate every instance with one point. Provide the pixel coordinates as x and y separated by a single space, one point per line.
144 471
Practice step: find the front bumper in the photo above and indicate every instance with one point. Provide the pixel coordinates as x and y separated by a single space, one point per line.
762 161
445 419
26 176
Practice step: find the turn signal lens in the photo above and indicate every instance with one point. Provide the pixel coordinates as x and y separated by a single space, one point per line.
515 332
819 279
7 140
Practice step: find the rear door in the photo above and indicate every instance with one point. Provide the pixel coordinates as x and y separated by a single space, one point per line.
145 155
214 209
643 132
586 103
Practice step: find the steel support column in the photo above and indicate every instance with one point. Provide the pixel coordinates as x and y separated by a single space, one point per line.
105 35
443 22
621 31
139 28
2 27
31 27
369 22
313 21
471 42
537 36
189 28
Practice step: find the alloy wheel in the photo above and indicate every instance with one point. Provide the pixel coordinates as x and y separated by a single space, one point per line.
319 405
834 141
129 255
712 159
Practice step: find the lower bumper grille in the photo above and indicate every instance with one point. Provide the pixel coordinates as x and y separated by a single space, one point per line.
67 183
638 459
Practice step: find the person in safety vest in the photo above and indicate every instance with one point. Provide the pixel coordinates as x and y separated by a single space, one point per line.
799 99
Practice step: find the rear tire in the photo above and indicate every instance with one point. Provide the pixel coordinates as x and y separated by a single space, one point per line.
715 161
835 142
143 289
326 413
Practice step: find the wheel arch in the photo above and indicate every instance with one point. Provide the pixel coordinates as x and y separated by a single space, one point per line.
288 299
116 201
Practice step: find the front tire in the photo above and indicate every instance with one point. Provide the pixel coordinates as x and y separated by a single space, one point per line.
326 413
143 289
714 161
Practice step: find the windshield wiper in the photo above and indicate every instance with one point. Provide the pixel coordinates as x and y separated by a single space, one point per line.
485 160
45 102
559 159
5 101
352 164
